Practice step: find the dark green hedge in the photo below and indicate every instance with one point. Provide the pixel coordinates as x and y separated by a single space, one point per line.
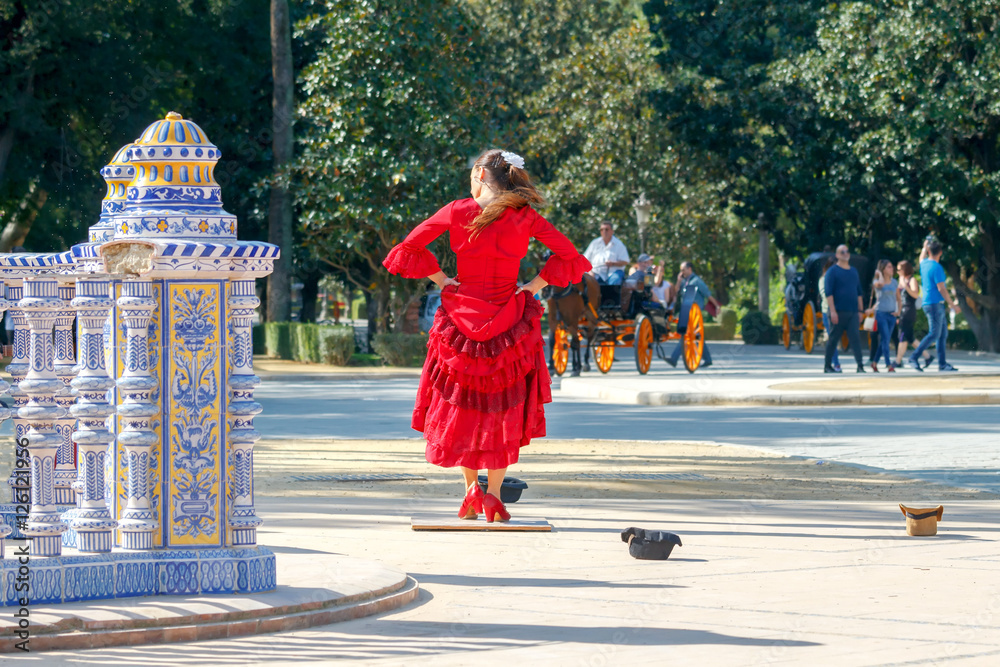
757 330
304 341
962 339
259 339
278 339
336 345
724 326
401 349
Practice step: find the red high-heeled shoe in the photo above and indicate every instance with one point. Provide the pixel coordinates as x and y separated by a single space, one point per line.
494 509
472 506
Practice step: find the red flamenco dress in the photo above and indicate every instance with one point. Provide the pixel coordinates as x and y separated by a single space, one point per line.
485 379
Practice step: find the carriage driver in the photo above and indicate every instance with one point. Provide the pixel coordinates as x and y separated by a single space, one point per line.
608 256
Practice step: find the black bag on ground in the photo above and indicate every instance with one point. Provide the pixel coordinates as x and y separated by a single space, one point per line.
650 544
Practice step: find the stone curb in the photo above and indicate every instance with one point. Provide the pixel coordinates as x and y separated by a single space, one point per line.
781 399
328 377
194 627
802 399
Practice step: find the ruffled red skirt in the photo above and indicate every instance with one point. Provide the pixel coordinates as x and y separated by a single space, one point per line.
484 382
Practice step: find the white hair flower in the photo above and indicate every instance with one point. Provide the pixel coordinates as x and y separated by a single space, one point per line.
513 159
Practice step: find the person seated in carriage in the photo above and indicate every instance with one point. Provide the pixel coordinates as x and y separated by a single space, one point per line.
662 289
637 281
608 256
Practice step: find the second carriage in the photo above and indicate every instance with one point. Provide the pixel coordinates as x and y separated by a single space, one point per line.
641 324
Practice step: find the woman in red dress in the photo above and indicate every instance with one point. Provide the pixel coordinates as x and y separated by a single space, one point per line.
485 379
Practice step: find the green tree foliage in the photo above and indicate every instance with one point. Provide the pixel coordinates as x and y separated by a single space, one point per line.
393 109
80 79
595 125
521 38
779 160
919 86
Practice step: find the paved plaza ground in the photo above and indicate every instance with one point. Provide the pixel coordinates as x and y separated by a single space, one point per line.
794 549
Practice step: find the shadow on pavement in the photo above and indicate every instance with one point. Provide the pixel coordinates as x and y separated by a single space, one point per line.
544 582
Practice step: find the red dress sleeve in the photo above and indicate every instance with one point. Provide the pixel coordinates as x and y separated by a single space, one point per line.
411 258
566 266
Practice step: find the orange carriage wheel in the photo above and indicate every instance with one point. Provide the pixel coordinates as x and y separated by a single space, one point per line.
786 331
694 339
845 342
808 327
643 344
560 351
604 355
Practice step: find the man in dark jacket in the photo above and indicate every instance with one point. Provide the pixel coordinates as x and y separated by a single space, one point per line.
691 289
843 293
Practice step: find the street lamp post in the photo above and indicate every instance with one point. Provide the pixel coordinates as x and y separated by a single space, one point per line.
642 207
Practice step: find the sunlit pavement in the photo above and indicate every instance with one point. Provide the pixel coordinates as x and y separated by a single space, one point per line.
952 444
755 582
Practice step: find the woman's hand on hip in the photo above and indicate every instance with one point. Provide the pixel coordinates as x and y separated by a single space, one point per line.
442 281
533 287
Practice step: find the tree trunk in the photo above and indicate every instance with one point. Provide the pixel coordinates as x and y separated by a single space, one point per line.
763 271
19 223
310 292
984 321
280 212
6 144
720 283
984 327
13 120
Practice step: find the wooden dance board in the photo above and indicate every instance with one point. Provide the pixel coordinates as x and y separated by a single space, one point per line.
439 522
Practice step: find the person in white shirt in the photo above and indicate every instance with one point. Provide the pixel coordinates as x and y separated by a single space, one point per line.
663 291
608 257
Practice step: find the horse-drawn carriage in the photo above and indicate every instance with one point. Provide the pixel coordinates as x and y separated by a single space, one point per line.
803 307
598 316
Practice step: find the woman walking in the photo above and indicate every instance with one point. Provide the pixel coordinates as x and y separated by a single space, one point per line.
909 292
886 312
485 381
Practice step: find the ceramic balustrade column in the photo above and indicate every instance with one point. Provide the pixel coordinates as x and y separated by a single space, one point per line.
5 413
242 408
18 368
136 437
93 522
41 304
65 365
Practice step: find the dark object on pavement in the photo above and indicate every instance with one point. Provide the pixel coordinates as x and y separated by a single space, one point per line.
650 544
510 490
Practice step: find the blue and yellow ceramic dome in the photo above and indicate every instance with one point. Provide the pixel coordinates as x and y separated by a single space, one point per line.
117 174
173 193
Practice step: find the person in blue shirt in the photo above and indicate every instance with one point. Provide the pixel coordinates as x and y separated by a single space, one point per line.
690 289
843 294
936 295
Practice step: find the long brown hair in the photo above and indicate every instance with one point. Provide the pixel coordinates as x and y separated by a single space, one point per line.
905 268
512 186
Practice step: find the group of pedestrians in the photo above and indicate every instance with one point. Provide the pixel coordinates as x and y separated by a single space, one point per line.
895 301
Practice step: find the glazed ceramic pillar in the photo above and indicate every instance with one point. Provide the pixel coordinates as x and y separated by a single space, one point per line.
135 307
243 521
65 366
41 304
93 522
173 231
18 369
